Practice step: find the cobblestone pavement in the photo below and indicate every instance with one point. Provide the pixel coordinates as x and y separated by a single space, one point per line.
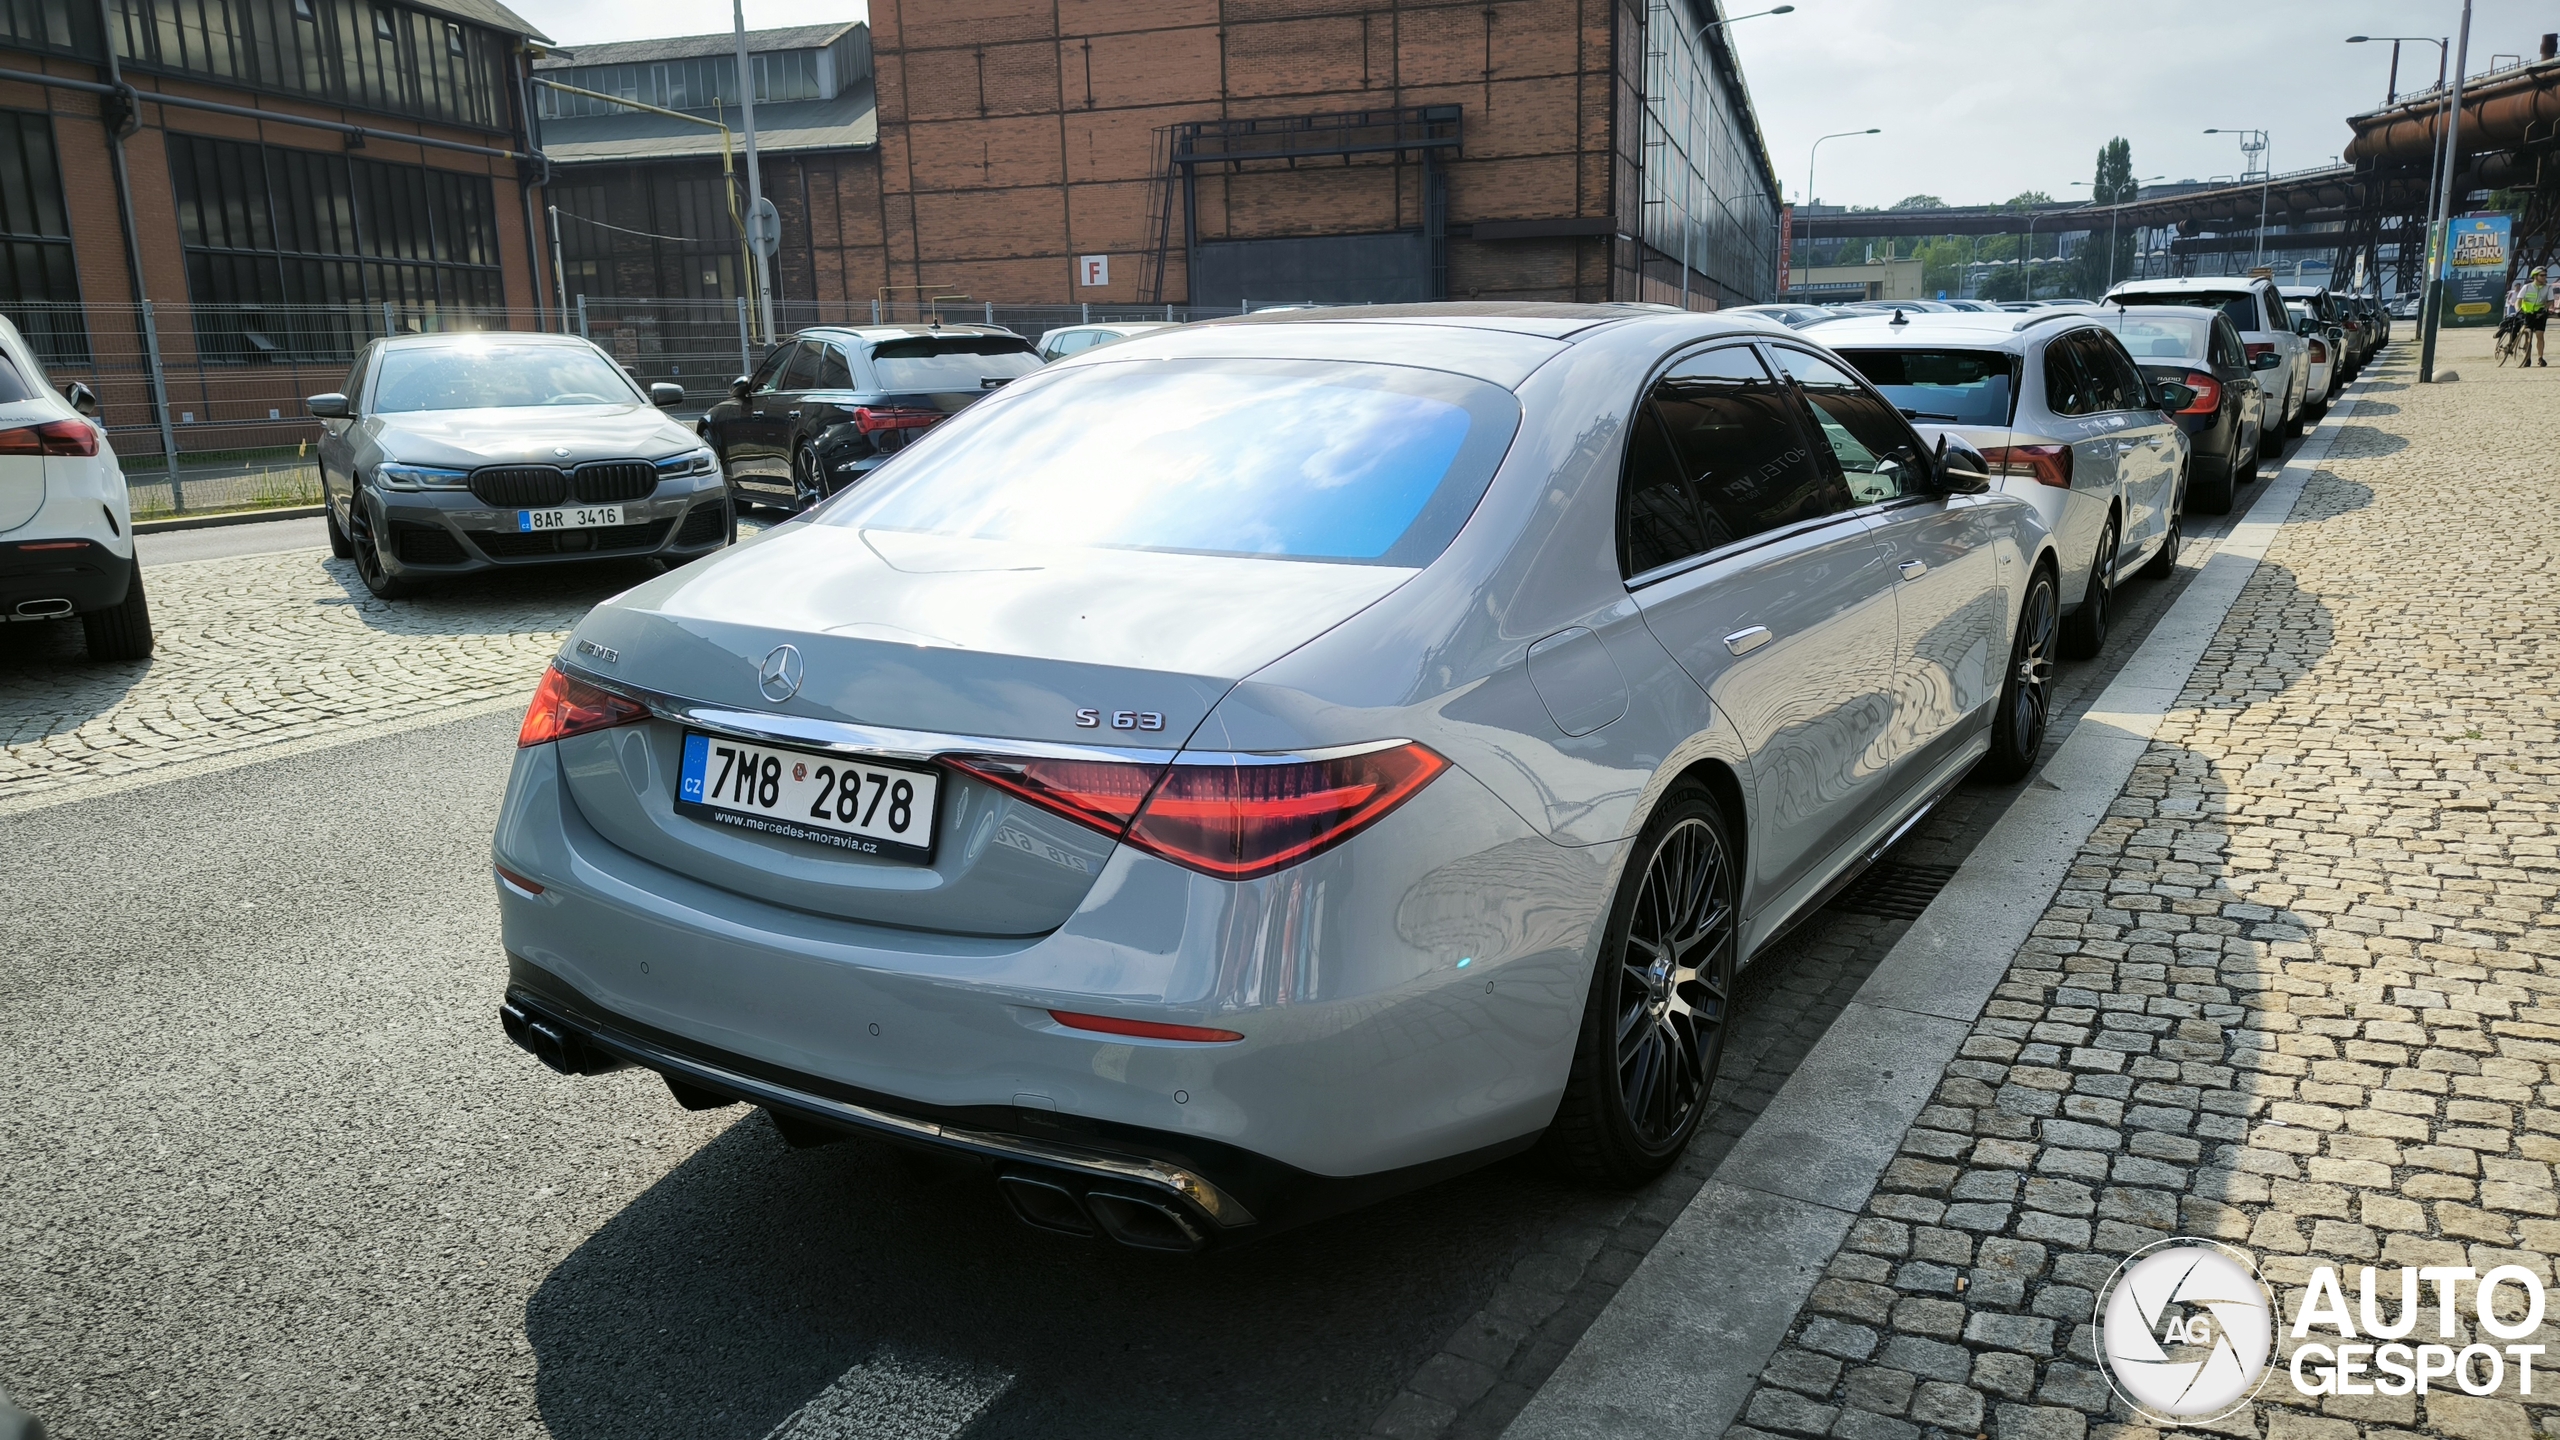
2294 994
261 649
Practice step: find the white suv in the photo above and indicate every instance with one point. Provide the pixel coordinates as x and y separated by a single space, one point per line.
66 524
2265 327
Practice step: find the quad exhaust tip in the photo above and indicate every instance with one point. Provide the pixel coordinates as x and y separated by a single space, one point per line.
53 609
1139 1222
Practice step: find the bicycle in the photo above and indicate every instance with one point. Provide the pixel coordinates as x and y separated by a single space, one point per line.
2512 340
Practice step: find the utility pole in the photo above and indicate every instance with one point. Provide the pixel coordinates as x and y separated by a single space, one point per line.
763 279
2443 239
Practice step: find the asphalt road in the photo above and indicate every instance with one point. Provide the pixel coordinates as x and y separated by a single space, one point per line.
267 1167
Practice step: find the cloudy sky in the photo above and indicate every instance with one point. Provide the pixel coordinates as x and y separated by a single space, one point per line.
1977 99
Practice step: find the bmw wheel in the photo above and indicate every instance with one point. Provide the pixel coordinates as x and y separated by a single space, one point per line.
2084 632
2026 696
369 566
1653 1028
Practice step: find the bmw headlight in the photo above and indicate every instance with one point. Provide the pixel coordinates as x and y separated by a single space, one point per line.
692 462
419 477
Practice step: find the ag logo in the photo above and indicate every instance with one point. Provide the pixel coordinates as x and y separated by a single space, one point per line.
2185 1329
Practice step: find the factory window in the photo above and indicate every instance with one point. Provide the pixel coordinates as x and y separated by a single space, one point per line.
39 284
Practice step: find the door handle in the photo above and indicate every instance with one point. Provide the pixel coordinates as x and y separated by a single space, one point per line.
2125 447
1743 642
1913 569
2156 441
795 414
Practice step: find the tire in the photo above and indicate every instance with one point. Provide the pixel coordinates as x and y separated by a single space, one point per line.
339 545
2164 560
2026 697
2270 442
1654 1025
124 632
808 488
368 558
2244 467
2213 497
2084 631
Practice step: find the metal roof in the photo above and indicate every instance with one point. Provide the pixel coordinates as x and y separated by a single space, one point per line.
848 122
487 13
695 47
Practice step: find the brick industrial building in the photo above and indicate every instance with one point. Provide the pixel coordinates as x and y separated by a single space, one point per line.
1202 152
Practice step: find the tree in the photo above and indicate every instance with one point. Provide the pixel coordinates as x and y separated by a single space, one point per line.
1920 202
2110 251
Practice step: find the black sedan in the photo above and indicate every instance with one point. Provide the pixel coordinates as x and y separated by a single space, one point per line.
829 404
2195 346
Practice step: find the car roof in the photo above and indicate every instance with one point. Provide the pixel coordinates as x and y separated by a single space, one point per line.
2301 292
2188 282
479 337
1996 330
877 333
1554 320
2183 312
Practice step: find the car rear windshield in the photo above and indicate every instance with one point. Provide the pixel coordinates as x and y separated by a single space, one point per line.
1293 460
481 377
2161 337
1950 387
2240 305
959 362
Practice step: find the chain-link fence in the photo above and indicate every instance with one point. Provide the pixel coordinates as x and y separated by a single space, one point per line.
204 403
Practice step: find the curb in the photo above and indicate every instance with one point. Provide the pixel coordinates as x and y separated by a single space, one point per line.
227 517
1680 1346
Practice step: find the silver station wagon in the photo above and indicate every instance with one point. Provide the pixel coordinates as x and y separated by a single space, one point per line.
1260 766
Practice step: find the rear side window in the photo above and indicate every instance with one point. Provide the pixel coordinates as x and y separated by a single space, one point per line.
833 372
1657 516
1278 459
13 385
959 362
1748 462
2240 305
1879 456
1952 387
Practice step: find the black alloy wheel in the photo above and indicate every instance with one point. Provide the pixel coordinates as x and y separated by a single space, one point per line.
2026 696
368 557
2084 631
2213 496
807 488
1654 1026
2270 440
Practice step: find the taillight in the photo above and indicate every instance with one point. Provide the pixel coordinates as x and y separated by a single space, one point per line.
2319 353
564 706
1236 819
872 422
1143 1029
2044 464
2208 393
53 437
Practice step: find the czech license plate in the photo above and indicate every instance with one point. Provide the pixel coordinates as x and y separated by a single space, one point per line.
842 801
569 517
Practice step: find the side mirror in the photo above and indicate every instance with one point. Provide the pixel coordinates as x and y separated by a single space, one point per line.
666 395
2268 361
740 387
1961 468
2172 397
82 398
332 406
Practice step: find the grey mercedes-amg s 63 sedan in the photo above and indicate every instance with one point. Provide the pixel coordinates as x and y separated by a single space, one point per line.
1256 767
450 454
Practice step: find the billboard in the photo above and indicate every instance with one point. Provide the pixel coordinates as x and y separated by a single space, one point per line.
2475 290
1786 244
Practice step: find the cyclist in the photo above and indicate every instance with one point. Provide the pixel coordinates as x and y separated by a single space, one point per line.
2533 303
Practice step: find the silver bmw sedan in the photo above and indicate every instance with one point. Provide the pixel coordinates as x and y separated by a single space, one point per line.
1257 767
457 453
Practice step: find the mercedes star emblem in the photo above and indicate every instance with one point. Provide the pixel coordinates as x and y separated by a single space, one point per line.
780 677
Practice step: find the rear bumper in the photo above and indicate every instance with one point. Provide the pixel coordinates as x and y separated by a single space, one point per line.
40 581
1147 1189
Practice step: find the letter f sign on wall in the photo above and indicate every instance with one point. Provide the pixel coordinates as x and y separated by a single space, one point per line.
1093 270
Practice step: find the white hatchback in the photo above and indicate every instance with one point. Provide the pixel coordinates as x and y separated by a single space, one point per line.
66 523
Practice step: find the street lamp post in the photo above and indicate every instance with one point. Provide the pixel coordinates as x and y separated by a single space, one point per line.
1810 157
761 265
2266 176
2114 210
2443 261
